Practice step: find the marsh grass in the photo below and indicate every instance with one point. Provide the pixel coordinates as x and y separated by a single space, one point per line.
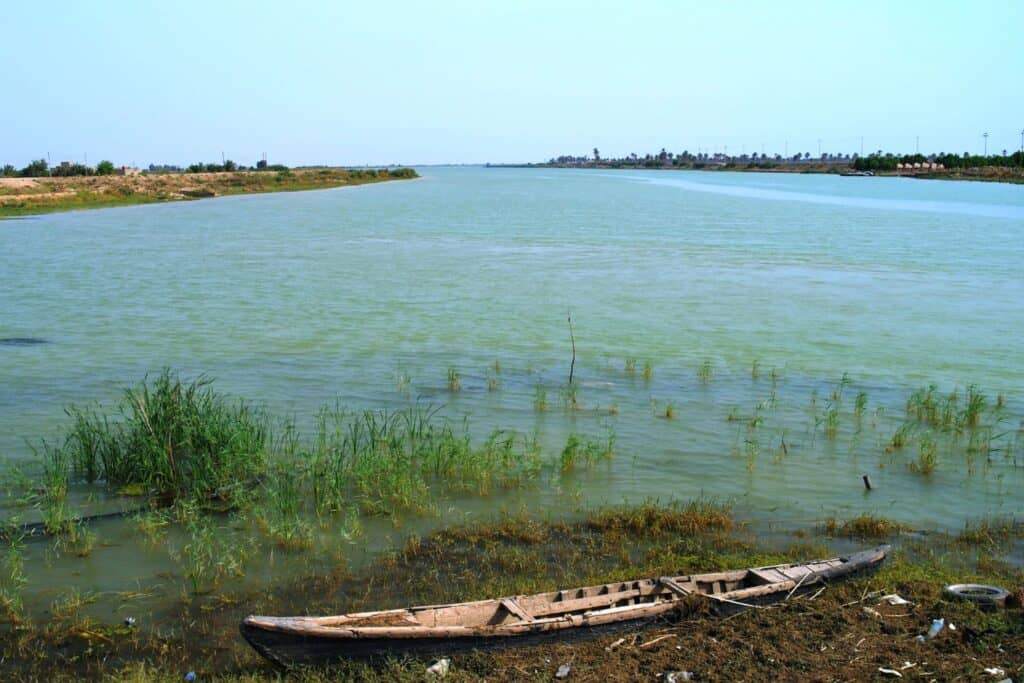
540 398
704 372
927 456
864 527
454 379
570 396
630 368
580 450
12 576
178 439
992 531
390 462
755 370
648 371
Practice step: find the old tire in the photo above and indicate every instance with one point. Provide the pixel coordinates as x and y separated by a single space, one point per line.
977 592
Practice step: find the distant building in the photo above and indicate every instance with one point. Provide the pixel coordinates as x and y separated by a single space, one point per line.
130 170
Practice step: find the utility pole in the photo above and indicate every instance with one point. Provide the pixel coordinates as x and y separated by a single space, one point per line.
917 145
787 150
819 148
862 145
1022 140
985 135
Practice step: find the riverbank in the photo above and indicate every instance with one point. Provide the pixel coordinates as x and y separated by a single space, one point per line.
843 629
981 174
31 196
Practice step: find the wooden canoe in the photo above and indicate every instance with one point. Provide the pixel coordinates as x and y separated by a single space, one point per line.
437 630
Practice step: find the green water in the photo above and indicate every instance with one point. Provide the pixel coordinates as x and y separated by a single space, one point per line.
297 300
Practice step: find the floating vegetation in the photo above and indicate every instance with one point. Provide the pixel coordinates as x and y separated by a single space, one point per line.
630 366
670 410
648 371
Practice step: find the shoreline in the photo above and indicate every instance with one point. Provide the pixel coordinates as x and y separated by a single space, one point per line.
25 197
792 169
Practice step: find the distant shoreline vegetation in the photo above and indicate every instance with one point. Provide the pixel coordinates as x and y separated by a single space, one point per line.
39 189
996 167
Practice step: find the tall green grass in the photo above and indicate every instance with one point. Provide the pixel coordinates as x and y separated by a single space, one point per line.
178 439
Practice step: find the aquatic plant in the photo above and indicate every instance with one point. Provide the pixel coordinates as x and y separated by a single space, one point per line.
901 437
454 379
648 371
831 419
860 404
630 366
864 527
927 456
755 370
581 450
540 398
54 504
670 410
704 371
177 439
570 396
12 576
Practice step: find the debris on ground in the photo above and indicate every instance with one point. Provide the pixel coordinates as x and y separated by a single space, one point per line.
679 676
563 671
895 600
440 667
889 672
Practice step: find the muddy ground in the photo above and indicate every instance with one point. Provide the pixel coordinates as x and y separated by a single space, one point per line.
841 633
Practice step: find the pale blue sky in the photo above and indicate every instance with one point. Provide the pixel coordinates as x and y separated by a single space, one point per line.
432 82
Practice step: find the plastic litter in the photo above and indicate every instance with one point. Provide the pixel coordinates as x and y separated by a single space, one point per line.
190 676
129 621
919 639
872 612
937 625
889 672
894 599
563 671
440 667
995 671
679 676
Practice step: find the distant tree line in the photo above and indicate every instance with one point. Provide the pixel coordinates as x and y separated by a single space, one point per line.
878 161
686 159
40 168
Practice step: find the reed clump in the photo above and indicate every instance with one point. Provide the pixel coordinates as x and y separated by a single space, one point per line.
864 527
690 517
178 439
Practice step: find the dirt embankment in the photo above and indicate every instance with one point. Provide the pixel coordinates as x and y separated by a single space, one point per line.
25 196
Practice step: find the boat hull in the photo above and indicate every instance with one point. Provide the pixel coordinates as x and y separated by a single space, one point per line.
289 642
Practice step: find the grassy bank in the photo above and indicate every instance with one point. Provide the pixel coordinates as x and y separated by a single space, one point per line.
30 196
243 514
